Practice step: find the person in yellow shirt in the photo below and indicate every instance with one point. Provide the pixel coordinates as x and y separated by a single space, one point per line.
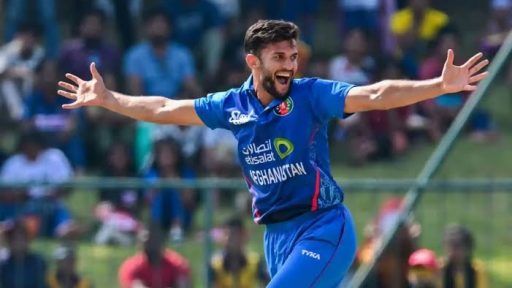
460 269
420 19
235 267
415 27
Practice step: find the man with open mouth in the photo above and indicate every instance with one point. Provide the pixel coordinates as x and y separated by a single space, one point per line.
281 127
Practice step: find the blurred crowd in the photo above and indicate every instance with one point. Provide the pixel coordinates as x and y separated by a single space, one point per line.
406 263
183 49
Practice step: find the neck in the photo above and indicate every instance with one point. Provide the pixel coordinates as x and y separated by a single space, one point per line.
159 49
262 94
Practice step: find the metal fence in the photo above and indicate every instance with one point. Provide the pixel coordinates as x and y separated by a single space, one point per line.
482 205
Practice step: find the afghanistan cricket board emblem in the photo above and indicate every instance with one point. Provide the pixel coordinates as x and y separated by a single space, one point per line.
284 108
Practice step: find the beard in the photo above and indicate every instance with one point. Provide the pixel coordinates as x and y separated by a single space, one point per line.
269 84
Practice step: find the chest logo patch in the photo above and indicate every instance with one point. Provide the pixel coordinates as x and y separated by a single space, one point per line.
283 147
284 108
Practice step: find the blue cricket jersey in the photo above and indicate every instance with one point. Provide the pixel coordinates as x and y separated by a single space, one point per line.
283 148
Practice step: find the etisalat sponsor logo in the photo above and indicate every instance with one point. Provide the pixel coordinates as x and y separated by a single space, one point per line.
264 153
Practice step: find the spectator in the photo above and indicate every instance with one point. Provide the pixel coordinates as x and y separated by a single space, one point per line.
423 269
172 209
118 209
198 24
415 26
161 67
388 127
356 66
66 274
60 128
22 268
76 55
418 22
498 26
219 157
154 266
90 46
391 269
459 268
43 204
17 12
235 266
188 139
18 61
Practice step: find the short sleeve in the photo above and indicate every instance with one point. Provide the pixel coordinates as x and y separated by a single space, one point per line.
210 110
328 98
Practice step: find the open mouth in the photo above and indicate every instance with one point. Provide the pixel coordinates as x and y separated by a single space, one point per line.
283 77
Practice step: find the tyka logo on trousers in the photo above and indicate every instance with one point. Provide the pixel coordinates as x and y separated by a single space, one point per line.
311 254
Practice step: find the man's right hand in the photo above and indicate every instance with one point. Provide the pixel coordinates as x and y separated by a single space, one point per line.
85 93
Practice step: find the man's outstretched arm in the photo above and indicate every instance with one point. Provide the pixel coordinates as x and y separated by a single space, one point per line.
390 94
147 108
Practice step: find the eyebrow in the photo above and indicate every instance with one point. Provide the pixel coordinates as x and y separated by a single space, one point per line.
283 53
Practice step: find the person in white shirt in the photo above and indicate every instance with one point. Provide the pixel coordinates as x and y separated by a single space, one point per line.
35 163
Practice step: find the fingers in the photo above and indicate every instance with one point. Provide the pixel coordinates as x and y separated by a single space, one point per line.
74 78
470 87
478 67
449 57
478 77
67 94
94 72
473 60
73 105
68 86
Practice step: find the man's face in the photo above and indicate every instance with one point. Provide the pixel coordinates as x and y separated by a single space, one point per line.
278 65
355 44
158 30
91 28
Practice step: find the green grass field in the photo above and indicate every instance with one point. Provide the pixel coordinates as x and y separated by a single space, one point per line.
486 213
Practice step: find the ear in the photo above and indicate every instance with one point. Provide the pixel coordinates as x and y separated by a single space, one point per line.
252 61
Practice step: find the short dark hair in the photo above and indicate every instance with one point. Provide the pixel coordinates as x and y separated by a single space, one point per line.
94 12
265 32
154 12
460 233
